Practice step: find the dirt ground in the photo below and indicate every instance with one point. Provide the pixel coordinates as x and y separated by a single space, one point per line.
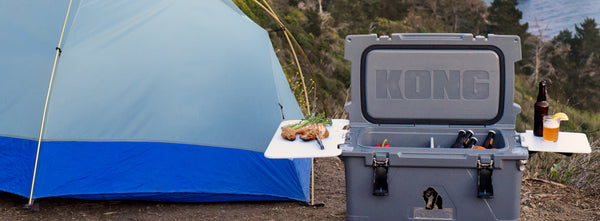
540 200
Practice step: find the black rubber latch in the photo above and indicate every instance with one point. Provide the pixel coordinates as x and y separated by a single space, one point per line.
485 190
380 171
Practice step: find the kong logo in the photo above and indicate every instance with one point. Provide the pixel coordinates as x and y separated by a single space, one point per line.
436 84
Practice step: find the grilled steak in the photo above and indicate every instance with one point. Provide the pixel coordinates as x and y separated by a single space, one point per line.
308 132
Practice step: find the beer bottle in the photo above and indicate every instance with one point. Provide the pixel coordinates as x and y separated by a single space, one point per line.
471 143
460 139
540 110
489 140
467 138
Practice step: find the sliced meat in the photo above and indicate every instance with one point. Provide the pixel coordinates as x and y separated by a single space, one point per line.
288 133
308 135
311 131
308 132
322 131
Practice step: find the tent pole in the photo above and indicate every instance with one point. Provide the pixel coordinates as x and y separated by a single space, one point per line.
312 181
37 155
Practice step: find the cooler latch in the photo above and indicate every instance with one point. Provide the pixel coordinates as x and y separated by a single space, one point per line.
485 167
381 163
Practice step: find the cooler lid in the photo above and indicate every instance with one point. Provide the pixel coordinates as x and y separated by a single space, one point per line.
421 83
431 79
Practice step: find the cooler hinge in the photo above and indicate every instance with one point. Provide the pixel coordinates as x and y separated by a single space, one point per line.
381 163
485 167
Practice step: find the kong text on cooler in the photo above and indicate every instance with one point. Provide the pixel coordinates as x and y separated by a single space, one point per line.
432 84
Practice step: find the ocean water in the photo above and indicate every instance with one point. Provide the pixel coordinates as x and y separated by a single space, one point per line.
554 16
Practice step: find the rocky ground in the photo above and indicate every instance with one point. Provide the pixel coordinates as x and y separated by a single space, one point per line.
540 200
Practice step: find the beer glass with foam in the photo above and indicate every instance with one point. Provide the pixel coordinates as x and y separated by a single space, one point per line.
551 128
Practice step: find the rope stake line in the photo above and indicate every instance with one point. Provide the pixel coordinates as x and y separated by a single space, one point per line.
288 34
37 155
301 74
293 40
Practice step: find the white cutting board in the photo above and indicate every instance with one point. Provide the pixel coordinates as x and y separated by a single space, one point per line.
568 142
280 148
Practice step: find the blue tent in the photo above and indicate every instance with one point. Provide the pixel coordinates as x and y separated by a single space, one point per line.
152 100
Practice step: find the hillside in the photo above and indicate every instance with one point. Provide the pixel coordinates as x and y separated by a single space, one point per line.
570 62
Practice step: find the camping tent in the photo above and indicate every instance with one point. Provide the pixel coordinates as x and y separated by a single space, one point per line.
153 100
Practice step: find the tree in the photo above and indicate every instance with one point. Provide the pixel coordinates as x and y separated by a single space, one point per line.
586 43
586 47
504 18
576 56
539 63
564 37
468 16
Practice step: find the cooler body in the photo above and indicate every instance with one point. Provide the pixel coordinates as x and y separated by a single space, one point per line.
417 91
414 170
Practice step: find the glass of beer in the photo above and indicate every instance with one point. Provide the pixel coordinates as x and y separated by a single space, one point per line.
551 128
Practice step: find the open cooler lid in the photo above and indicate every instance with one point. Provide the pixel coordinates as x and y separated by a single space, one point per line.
432 78
421 83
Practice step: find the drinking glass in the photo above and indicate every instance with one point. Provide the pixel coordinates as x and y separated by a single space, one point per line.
551 128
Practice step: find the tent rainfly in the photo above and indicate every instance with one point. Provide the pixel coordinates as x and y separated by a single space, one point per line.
149 100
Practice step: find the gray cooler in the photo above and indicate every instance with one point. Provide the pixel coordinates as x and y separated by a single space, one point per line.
417 91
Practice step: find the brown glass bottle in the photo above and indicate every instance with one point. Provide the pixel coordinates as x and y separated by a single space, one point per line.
489 140
540 110
460 139
471 143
